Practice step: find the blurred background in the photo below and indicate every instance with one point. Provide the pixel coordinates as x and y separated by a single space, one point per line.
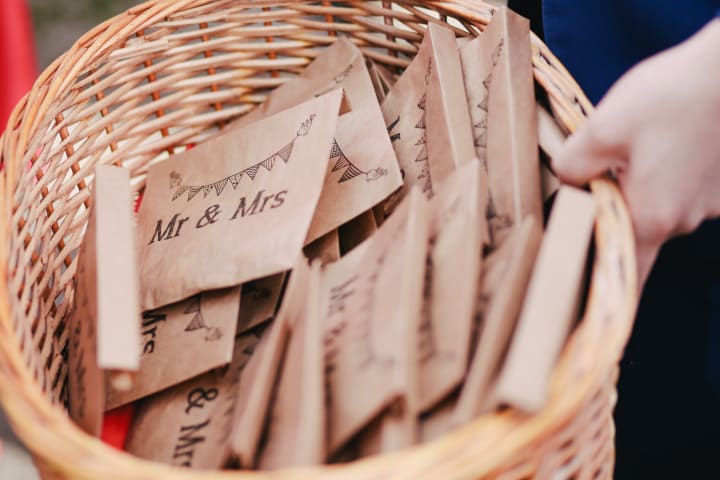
58 23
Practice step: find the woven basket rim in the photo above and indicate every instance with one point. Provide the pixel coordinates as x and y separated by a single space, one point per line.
39 423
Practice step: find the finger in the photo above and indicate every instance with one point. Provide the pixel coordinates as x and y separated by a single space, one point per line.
584 157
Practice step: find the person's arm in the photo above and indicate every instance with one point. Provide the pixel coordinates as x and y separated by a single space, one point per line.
658 129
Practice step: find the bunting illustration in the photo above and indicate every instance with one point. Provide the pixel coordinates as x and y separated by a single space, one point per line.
198 321
251 172
482 125
498 221
351 170
424 175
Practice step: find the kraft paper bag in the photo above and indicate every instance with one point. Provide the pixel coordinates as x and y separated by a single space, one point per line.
452 277
450 141
182 341
371 325
326 249
296 432
104 331
411 119
237 207
188 425
255 392
497 67
507 271
356 231
362 169
552 302
259 300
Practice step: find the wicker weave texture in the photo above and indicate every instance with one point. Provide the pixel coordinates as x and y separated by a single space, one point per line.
170 73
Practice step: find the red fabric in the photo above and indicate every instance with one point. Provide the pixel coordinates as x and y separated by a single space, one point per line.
116 424
18 64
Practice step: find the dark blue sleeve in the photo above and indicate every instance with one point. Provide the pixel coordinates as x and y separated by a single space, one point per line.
598 41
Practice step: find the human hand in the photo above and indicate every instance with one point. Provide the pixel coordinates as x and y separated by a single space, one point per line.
658 129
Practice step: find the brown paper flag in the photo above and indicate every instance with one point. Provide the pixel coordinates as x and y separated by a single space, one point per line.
497 67
296 431
104 329
254 394
188 425
451 283
375 297
551 304
362 169
182 341
449 134
237 207
507 272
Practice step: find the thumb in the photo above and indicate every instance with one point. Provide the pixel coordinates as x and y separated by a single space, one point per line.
585 156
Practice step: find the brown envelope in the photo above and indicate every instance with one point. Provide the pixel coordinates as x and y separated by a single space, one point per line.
451 283
182 341
371 327
449 134
254 395
551 304
188 425
506 274
237 207
405 111
296 431
362 170
259 301
497 67
103 328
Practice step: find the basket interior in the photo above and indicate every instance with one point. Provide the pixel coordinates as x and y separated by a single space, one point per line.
133 93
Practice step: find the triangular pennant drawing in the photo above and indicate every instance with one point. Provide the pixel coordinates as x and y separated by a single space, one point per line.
423 140
423 155
206 190
194 305
351 172
181 189
197 323
341 163
423 102
235 180
335 150
192 191
285 152
220 186
421 123
481 139
483 105
488 81
268 163
252 171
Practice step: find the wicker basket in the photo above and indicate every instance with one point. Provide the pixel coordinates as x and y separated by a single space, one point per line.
170 73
